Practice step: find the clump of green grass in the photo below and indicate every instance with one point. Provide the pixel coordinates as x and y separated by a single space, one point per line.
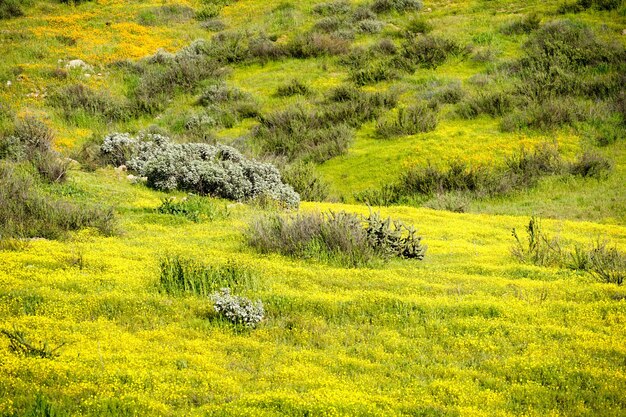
187 276
76 98
194 208
386 6
429 51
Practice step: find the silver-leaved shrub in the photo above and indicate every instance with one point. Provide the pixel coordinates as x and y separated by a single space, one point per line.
239 310
217 170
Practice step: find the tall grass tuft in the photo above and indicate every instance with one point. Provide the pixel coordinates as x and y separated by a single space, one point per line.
187 276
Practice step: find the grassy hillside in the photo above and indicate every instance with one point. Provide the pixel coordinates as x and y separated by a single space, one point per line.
466 120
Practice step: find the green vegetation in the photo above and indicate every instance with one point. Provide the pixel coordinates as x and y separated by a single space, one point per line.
212 261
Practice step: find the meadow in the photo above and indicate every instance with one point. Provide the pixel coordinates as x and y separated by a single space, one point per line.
472 121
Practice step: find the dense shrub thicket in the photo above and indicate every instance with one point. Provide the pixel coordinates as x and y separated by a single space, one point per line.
323 132
10 8
216 170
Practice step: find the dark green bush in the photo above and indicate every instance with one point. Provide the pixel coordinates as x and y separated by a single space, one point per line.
546 114
605 264
10 9
450 93
385 6
293 88
429 51
194 208
373 73
328 24
334 8
591 164
563 57
306 181
408 121
418 25
582 5
491 102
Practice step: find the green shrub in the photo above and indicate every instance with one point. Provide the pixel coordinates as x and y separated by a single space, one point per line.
492 102
393 238
429 51
306 181
418 25
328 24
314 45
293 88
450 93
546 114
10 9
605 264
369 26
385 6
591 164
78 97
522 25
194 208
186 276
334 8
582 5
408 121
26 212
373 73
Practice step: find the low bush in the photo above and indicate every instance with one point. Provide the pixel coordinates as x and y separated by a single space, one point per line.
591 164
342 238
10 9
547 114
323 132
213 25
26 212
606 264
582 5
333 8
491 102
21 345
408 121
429 51
293 88
219 93
313 45
418 25
236 309
369 26
216 170
521 25
450 93
306 181
385 6
194 208
186 276
373 73
80 98
31 142
328 24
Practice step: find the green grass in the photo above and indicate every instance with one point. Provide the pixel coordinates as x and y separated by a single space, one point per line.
468 331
